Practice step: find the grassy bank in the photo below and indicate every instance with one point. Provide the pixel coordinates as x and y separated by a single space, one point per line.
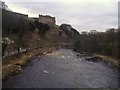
14 64
109 59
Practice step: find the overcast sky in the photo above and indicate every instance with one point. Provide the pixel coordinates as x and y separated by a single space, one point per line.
83 15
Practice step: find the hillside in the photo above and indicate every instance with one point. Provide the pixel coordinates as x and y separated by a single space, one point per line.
28 32
24 38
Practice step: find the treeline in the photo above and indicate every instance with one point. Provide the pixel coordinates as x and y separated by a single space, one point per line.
105 43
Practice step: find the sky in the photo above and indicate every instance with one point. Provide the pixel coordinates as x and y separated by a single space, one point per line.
83 15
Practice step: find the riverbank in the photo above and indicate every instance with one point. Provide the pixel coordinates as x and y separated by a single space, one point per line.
14 64
109 60
62 69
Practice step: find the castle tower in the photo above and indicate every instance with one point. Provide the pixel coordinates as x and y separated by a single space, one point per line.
48 20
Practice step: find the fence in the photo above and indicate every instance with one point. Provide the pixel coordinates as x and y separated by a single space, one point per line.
7 54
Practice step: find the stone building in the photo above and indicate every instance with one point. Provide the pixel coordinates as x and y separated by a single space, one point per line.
48 20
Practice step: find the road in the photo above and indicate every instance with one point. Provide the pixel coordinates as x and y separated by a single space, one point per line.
62 69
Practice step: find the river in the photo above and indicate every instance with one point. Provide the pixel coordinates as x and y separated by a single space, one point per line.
63 69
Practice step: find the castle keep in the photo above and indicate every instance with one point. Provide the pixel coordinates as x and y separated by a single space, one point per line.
48 20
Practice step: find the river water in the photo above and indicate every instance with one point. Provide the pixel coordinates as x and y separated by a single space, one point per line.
62 69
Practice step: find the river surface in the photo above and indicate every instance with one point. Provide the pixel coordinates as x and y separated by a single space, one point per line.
63 69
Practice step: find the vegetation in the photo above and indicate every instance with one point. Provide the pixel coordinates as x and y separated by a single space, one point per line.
43 28
16 26
101 44
69 30
105 43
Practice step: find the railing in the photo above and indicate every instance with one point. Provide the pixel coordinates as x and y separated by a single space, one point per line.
7 54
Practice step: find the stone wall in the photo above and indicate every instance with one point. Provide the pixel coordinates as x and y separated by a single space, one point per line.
48 20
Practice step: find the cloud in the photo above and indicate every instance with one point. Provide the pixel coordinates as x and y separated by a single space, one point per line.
82 15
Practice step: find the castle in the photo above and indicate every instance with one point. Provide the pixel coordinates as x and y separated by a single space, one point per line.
48 20
45 19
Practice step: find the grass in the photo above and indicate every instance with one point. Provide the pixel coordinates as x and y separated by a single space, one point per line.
14 65
108 59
